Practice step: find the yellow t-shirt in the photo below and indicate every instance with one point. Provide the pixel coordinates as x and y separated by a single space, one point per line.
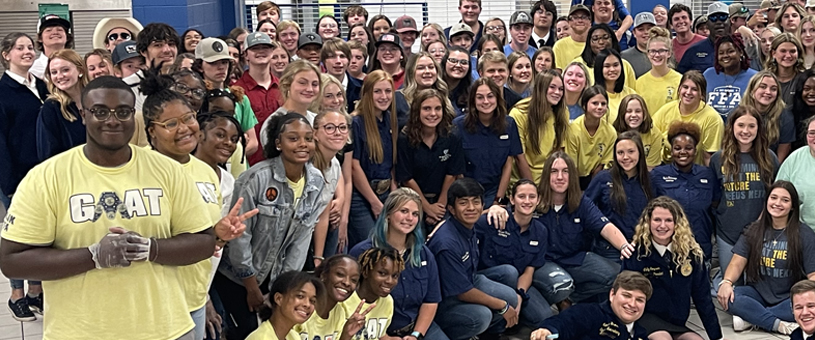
547 140
630 75
195 278
297 187
590 151
266 332
326 329
378 319
614 100
237 165
654 143
705 116
566 50
658 91
140 135
67 202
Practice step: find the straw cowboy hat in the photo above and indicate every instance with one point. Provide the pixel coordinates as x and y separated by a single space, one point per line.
105 25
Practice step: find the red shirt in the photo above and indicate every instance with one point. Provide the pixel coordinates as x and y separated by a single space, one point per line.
679 49
264 103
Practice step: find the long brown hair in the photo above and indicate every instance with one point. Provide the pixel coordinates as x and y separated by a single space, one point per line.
621 125
540 110
61 96
413 128
772 118
759 150
499 116
756 232
573 193
618 196
367 110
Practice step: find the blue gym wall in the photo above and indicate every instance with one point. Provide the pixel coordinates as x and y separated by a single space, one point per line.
211 17
642 5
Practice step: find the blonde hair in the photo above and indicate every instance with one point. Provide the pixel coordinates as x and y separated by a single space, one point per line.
439 30
772 118
61 96
367 110
317 159
785 37
286 24
411 87
684 245
325 80
294 68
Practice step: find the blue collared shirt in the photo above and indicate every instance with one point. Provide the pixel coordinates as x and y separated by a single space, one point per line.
486 151
530 50
599 192
456 250
571 234
371 169
511 246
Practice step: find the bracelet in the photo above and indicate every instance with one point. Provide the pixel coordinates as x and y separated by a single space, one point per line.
315 257
725 281
504 310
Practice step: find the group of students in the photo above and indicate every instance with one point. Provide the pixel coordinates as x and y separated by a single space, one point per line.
487 181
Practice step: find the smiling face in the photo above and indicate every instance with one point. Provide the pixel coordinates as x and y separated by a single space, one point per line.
288 38
790 19
466 210
662 226
219 141
180 142
333 98
64 74
193 84
803 309
628 305
383 95
603 10
259 55
627 155
389 54
381 26
97 67
680 22
310 52
562 29
689 94
683 150
543 62
116 36
521 71
335 140
597 106
328 28
811 137
634 114
403 220
808 34
496 28
269 29
469 10
729 57
110 134
383 277
191 39
160 52
358 33
661 16
22 54
658 53
599 40
559 177
54 36
485 100
431 112
745 130
437 50
497 71
341 281
458 65
280 59
298 304
525 199
304 87
766 92
337 64
574 79
555 91
612 68
425 75
296 142
779 203
808 93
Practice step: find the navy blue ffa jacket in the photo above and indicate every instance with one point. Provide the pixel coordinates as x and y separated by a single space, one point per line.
486 151
352 91
674 287
798 334
571 234
592 322
417 285
374 170
456 250
56 134
511 246
19 109
429 166
599 192
695 191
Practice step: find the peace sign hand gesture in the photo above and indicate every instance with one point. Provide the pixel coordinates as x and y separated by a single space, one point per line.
356 321
231 226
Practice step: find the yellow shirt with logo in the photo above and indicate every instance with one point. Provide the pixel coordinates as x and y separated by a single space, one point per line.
658 91
378 319
566 50
67 202
266 332
325 329
654 143
590 151
237 162
195 278
547 140
630 75
614 100
705 116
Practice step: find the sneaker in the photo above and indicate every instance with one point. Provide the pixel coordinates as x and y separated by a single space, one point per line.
35 303
20 311
786 328
740 325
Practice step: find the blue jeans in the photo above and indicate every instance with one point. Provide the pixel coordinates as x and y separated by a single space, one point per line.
593 278
535 309
199 317
461 320
725 256
361 219
749 305
489 196
4 199
553 282
434 332
20 284
605 249
332 240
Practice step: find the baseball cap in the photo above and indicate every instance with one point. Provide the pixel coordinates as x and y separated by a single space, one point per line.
717 7
390 38
460 28
404 24
519 18
738 10
124 51
308 39
257 38
212 50
579 7
50 20
700 20
644 18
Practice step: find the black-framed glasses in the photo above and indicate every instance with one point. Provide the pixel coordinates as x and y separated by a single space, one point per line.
102 114
718 17
331 128
173 123
597 38
462 62
116 36
659 51
184 89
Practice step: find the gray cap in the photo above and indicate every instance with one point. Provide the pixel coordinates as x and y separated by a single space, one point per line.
718 7
257 38
644 18
459 28
308 39
124 51
520 17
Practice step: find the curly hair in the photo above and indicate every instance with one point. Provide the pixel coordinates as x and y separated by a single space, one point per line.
737 42
683 244
679 128
371 257
411 86
414 126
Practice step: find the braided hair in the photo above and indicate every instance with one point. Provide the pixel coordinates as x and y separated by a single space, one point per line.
371 257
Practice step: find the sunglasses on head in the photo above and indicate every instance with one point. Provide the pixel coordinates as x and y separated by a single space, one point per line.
115 36
717 17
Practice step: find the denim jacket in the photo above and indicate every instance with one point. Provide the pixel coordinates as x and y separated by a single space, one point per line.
276 240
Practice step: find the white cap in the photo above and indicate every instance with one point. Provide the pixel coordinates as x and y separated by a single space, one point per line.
718 7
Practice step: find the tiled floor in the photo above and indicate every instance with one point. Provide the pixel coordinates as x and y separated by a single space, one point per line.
11 329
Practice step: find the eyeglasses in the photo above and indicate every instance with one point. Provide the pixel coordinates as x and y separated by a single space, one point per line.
173 123
115 36
597 38
717 17
184 89
495 28
328 25
578 17
102 114
659 51
462 62
437 50
331 128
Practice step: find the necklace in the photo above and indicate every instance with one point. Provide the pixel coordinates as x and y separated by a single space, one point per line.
775 240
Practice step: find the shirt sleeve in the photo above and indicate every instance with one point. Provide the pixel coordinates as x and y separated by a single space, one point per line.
595 191
700 294
359 138
189 211
742 248
712 134
433 289
591 217
247 115
685 62
48 131
455 280
404 172
786 128
32 218
573 323
520 126
456 165
621 10
239 250
808 240
515 146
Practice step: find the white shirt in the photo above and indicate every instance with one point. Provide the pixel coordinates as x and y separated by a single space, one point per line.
134 80
345 82
661 249
38 68
30 83
537 39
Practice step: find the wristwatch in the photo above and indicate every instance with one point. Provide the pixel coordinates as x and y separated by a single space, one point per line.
524 295
418 335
